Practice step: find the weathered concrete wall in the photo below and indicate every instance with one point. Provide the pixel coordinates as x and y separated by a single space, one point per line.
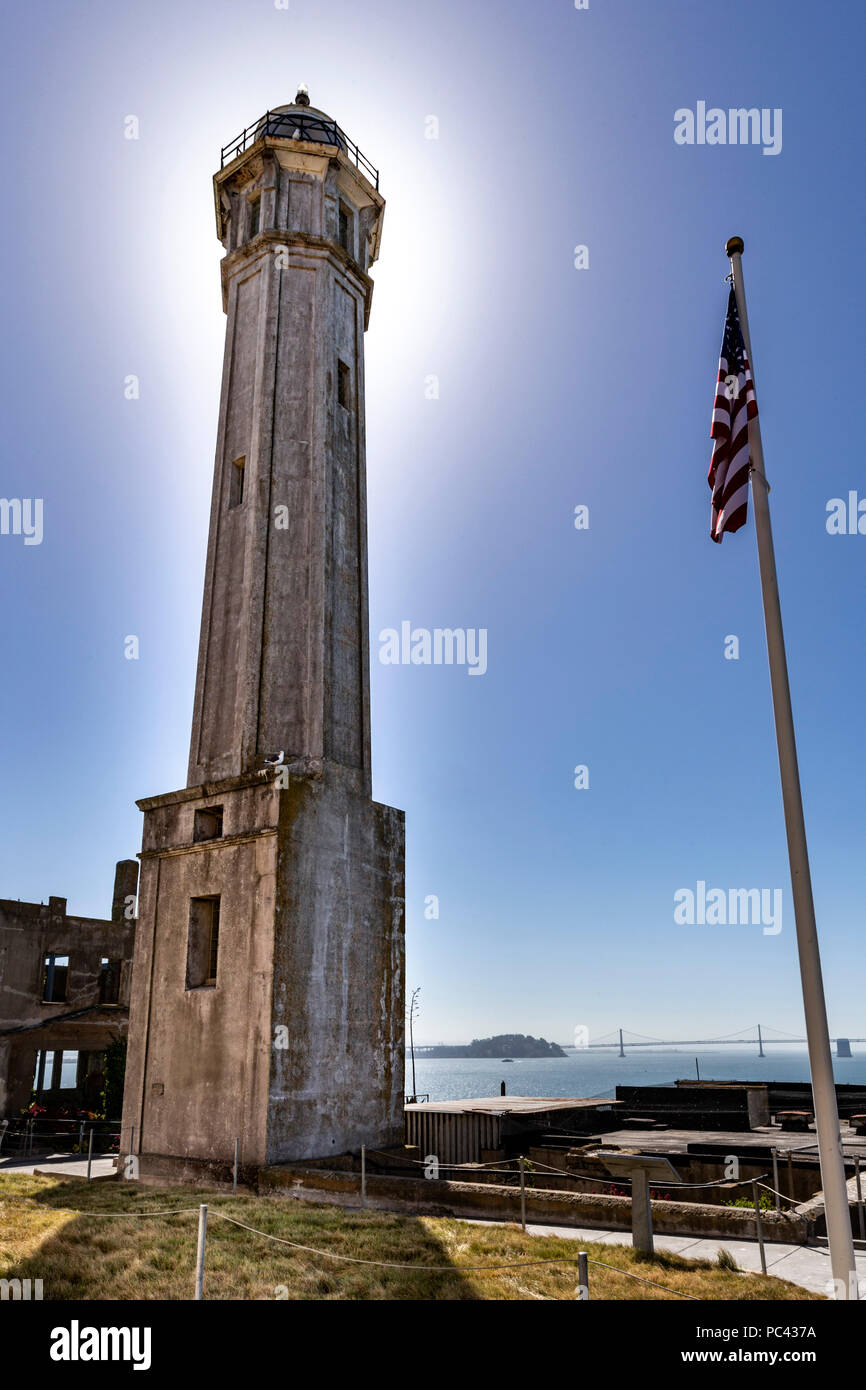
197 1069
288 594
310 881
338 971
29 932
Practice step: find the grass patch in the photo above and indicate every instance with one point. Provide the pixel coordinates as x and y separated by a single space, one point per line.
50 1230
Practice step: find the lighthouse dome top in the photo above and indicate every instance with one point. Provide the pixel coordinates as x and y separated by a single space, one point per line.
301 121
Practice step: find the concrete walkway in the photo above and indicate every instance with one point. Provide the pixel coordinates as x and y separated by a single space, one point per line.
59 1165
808 1266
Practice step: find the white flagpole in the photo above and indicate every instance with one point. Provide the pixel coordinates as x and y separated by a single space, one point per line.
817 1035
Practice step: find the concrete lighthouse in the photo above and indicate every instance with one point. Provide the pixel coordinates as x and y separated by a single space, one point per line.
267 997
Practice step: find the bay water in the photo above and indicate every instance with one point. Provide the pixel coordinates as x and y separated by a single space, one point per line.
591 1073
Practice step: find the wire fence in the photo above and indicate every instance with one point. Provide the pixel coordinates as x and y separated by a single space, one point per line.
530 1167
23 1135
581 1260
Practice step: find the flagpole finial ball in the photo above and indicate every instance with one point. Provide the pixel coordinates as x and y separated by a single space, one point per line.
734 246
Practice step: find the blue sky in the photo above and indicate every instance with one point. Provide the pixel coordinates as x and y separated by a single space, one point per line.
557 387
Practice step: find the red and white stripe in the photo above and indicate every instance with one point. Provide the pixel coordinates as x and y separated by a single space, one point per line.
733 408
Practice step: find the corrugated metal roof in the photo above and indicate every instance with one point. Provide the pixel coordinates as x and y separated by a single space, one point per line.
508 1105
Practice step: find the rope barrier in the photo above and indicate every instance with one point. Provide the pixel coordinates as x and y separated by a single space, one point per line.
562 1173
83 1211
793 1200
387 1264
626 1182
629 1275
422 1162
452 1268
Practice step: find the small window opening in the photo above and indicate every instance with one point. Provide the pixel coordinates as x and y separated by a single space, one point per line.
208 824
344 385
203 947
109 981
255 217
68 1077
236 482
344 233
54 979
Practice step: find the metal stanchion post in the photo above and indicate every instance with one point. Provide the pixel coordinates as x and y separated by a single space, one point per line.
757 1198
89 1153
583 1275
199 1263
776 1179
522 1195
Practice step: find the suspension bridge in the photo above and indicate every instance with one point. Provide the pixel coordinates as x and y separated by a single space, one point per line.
621 1040
759 1035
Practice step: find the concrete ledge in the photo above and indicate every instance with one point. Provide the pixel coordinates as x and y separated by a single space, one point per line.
421 1196
70 1176
157 1170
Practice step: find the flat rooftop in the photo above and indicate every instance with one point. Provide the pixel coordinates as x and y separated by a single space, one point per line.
802 1145
510 1105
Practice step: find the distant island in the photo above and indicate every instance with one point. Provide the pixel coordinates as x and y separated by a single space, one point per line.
504 1046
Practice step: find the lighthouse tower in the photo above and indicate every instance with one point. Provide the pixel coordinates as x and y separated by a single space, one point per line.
267 998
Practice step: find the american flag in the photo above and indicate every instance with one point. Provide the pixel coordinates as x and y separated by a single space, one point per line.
733 408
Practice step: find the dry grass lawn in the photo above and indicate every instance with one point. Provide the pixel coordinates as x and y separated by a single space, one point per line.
51 1229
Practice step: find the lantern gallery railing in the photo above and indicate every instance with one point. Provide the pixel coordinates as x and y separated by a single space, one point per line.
299 126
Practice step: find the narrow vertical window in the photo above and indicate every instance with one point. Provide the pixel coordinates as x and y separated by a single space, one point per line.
254 217
213 945
344 385
109 981
344 228
68 1078
236 482
54 978
203 945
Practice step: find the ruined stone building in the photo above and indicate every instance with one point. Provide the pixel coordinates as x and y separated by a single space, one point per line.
267 999
64 997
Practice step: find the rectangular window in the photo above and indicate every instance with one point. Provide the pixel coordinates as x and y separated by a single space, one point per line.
109 981
203 944
67 1079
344 385
255 218
344 233
54 979
208 824
236 482
44 1071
